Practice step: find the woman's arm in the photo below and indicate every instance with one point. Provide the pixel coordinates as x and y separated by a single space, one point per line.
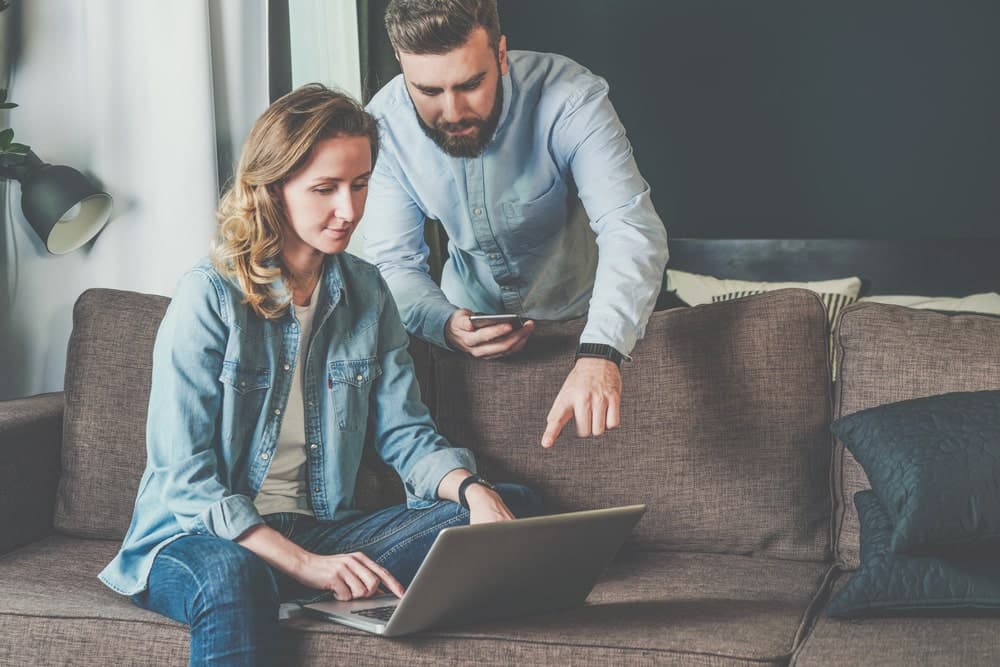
485 504
184 405
347 576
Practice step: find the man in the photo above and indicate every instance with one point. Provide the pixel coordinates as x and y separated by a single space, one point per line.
513 153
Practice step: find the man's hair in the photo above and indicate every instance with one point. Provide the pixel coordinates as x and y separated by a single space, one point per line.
433 27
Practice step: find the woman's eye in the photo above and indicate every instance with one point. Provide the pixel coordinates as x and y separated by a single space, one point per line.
323 191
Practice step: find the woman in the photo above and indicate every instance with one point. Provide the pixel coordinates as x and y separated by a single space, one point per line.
273 361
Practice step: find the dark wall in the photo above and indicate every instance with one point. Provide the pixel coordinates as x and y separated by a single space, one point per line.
794 118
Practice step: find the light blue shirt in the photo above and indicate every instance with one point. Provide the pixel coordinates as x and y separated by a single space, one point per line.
517 215
221 377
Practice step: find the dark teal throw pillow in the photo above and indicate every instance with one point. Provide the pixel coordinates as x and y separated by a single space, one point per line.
935 464
888 583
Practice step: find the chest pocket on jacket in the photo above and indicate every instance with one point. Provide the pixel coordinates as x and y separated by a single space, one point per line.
350 383
247 387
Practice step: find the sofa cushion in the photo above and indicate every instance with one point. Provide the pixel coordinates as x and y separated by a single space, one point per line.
934 463
891 353
108 376
649 608
888 582
725 426
901 641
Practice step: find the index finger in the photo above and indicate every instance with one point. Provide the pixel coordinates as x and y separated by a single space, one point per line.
554 424
394 586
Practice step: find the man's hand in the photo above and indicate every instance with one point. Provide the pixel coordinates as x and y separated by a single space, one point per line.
591 395
498 340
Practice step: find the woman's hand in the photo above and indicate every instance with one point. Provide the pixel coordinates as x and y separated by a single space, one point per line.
348 576
485 505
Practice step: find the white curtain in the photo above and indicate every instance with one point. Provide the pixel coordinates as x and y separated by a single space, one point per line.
151 99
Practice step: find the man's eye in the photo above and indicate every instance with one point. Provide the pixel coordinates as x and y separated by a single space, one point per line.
429 93
359 186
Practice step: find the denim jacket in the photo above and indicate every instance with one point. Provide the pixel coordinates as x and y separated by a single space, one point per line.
221 377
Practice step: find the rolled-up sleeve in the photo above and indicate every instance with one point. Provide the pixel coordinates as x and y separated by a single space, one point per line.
184 404
405 436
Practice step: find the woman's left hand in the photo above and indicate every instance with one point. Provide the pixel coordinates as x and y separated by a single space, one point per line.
486 505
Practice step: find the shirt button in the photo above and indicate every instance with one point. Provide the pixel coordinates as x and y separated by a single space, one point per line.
314 446
265 456
287 367
277 411
477 211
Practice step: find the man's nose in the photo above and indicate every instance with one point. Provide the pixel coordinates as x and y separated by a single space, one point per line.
454 108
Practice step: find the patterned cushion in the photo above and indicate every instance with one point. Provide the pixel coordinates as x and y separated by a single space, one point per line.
889 354
724 435
889 582
934 464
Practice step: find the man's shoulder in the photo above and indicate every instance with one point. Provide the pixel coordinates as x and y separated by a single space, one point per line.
552 74
389 98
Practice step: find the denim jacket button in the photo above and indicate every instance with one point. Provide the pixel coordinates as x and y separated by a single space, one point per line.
265 456
287 367
360 378
314 446
277 411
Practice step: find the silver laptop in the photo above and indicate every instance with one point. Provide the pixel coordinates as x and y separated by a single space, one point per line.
495 570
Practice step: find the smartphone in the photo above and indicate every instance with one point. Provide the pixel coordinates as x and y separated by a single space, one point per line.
480 321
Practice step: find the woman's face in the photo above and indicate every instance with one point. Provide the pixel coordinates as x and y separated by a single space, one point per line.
325 199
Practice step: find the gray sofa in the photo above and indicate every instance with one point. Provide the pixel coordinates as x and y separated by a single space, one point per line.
725 436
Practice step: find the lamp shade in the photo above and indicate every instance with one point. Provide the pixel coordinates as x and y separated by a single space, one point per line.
63 207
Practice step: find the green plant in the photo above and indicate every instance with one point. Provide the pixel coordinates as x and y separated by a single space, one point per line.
11 152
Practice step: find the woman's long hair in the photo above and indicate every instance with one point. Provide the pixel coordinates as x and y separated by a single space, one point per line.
251 216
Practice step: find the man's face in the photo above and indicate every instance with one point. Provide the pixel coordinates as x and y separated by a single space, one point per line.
458 95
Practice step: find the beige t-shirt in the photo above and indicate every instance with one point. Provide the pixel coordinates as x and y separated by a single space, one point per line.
286 489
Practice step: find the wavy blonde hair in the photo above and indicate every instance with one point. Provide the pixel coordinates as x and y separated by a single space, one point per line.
251 217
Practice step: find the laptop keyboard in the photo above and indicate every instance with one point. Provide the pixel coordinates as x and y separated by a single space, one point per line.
378 613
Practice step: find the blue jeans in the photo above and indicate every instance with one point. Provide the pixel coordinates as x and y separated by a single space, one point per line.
229 597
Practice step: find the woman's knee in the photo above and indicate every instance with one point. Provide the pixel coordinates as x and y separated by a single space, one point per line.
226 574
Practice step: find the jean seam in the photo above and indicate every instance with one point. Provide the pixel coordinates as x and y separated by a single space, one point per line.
435 528
395 531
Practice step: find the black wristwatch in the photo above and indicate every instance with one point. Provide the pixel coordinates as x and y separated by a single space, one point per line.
466 483
601 351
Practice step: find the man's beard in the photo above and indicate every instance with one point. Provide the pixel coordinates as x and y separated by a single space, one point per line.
470 145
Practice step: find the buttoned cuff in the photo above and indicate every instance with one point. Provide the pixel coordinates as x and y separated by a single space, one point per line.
424 480
228 518
606 333
433 327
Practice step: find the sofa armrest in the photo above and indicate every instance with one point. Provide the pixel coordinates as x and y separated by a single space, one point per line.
30 443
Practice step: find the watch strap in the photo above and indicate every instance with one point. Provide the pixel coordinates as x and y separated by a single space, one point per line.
601 351
466 483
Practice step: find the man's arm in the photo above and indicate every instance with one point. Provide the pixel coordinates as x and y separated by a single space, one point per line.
393 229
632 255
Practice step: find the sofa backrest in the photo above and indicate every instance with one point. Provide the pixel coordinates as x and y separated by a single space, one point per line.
892 353
724 434
108 375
